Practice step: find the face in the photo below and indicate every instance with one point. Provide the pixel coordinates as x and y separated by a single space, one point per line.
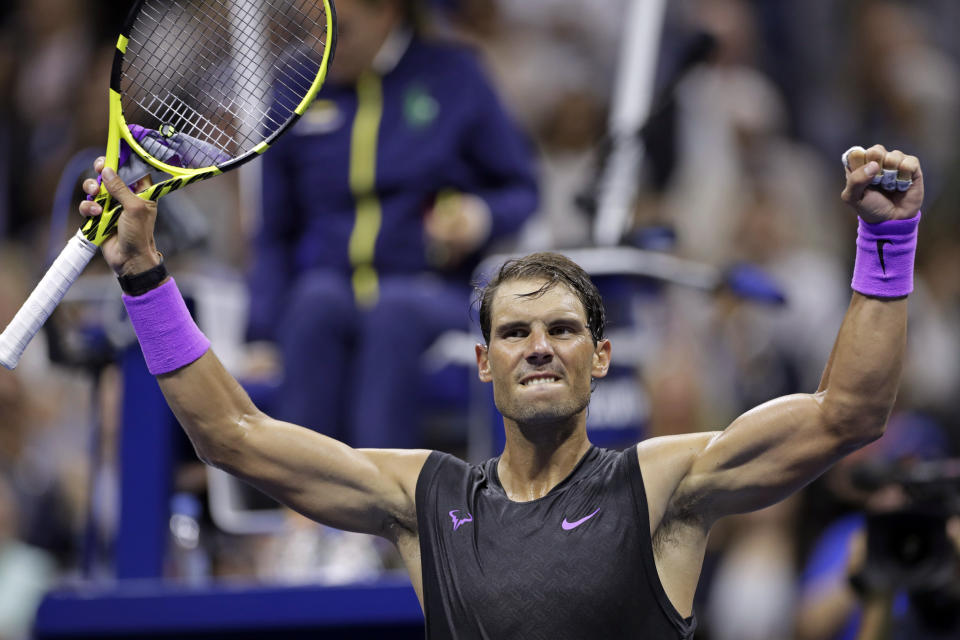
363 26
541 357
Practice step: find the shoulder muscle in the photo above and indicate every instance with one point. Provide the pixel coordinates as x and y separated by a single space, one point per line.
664 463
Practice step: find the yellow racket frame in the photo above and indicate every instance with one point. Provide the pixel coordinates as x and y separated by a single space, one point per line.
98 228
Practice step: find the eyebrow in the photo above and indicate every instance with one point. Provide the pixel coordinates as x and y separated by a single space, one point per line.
509 326
523 324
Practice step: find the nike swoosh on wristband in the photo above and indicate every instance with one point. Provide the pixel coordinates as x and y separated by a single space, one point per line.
573 525
880 244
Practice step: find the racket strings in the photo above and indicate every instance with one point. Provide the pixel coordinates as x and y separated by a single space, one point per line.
171 109
229 73
164 70
207 56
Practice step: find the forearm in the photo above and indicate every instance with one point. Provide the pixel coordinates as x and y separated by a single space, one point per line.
860 382
212 408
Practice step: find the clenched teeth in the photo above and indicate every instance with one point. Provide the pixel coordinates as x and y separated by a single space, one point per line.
534 381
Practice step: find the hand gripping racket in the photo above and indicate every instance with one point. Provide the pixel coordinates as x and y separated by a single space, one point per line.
205 86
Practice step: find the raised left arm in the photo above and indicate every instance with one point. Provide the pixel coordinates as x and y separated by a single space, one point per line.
775 449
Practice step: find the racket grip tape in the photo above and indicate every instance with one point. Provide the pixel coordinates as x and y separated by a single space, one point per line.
45 297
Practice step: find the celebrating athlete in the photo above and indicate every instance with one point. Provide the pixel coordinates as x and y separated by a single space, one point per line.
555 538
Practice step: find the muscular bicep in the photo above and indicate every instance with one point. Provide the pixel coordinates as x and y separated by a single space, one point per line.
364 490
762 457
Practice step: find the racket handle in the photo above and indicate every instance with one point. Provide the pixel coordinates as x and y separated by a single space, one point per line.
45 297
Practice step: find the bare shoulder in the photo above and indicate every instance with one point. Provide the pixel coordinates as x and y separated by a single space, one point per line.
664 463
403 465
402 468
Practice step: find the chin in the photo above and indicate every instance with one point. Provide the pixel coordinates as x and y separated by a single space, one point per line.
543 412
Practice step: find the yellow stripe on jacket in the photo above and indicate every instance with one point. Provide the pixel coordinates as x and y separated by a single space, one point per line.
363 165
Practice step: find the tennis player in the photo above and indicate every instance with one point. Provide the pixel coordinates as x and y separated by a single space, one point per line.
555 538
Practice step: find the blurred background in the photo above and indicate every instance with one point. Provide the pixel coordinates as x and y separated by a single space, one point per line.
733 276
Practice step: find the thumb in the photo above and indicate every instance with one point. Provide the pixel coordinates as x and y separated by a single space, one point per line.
858 181
118 190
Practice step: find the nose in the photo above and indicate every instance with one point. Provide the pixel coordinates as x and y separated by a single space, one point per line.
539 348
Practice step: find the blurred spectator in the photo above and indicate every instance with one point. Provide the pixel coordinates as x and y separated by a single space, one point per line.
907 569
752 590
25 573
306 552
731 136
773 233
7 70
45 419
375 210
55 45
540 51
554 64
907 89
932 371
567 138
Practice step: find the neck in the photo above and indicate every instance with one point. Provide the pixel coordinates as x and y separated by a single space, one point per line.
536 459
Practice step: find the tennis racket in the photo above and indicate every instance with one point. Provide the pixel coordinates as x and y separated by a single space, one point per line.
206 86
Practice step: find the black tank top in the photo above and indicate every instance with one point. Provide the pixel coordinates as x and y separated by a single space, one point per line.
575 564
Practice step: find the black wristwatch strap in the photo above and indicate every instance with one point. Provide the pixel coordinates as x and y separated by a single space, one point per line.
139 283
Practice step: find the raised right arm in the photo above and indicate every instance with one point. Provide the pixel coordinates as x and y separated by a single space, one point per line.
369 490
365 490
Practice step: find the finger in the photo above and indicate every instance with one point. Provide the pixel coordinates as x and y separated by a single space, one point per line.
858 181
891 167
99 163
909 167
119 191
89 208
854 158
91 186
876 154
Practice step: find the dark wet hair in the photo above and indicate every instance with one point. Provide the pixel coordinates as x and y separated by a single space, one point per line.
555 269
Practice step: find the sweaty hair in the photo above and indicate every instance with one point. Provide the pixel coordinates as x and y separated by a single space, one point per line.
555 269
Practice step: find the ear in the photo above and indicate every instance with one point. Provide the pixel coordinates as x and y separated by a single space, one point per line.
483 363
601 359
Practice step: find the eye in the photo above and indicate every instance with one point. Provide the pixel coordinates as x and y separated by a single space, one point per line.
561 330
514 332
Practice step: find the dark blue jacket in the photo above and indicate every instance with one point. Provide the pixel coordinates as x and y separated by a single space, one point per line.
348 187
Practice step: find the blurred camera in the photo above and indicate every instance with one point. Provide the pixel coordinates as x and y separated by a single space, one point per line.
908 548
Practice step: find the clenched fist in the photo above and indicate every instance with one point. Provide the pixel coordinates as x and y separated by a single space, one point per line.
882 185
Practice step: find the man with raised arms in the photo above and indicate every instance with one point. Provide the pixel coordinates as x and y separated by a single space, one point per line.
555 538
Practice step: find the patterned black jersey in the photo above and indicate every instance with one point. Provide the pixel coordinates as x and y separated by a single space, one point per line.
574 564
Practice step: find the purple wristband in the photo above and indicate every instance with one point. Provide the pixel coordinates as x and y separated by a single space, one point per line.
168 336
885 252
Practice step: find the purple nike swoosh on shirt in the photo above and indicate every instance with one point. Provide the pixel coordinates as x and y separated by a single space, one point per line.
573 525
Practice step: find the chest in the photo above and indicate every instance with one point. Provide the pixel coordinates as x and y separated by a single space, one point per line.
581 547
